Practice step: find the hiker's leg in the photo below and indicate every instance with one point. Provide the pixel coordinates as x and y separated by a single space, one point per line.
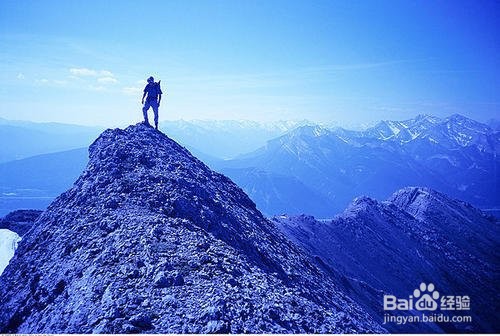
145 112
155 111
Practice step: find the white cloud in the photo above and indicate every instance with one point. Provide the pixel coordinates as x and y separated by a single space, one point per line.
107 80
85 72
106 73
20 76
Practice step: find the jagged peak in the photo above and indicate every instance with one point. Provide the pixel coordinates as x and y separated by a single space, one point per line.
363 200
418 200
427 117
139 165
413 190
310 130
410 194
141 133
362 204
457 117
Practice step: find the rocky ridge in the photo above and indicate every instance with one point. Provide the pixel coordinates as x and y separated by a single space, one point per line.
149 239
418 235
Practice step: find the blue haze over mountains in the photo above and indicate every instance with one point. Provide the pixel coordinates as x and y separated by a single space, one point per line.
455 155
22 139
291 167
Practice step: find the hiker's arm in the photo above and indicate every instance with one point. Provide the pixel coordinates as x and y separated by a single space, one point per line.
159 99
143 96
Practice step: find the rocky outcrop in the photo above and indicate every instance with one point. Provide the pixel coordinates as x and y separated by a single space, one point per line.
418 235
20 221
149 239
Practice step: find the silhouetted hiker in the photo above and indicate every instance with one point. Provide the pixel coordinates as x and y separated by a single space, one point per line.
153 99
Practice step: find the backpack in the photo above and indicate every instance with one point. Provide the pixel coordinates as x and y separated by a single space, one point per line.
153 94
158 88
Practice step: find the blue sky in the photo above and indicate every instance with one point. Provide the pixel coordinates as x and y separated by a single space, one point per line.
86 62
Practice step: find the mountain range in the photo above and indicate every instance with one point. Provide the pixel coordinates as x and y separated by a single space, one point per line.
209 138
38 161
310 169
455 155
22 139
226 139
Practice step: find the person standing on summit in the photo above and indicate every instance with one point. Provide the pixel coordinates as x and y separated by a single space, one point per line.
153 92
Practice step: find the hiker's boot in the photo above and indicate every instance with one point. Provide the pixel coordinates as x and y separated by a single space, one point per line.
146 122
156 126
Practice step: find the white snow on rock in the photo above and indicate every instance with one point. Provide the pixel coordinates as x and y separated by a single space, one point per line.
8 245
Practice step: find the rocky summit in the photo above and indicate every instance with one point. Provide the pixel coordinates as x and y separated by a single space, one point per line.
149 239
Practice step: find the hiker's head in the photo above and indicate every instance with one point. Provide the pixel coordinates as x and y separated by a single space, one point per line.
151 79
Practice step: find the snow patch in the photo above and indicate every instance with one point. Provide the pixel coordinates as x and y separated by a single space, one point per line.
393 128
432 140
8 245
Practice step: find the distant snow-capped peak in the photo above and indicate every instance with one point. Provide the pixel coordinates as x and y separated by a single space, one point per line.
455 130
